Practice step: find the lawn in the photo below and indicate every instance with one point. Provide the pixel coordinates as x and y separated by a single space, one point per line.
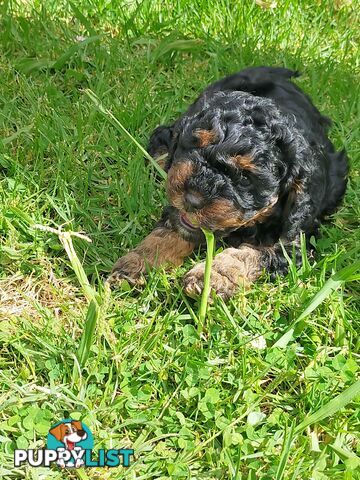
266 388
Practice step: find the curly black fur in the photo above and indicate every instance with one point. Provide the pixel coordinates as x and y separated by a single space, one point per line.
251 161
259 114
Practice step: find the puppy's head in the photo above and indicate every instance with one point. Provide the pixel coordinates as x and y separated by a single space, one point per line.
227 164
69 433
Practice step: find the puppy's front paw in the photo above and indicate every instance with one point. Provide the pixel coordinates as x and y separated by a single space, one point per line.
231 268
128 268
220 283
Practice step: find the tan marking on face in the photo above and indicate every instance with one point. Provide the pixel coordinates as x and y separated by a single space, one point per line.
262 214
245 162
297 187
222 214
177 177
206 137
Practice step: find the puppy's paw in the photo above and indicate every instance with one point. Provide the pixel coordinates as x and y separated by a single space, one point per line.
129 268
231 268
193 282
220 283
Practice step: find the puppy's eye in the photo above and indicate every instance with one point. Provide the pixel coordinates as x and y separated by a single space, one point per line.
244 181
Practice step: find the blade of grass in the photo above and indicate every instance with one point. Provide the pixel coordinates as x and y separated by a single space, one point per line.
80 472
332 407
206 290
88 333
333 283
92 296
289 435
171 44
82 19
60 62
66 241
327 410
345 454
119 126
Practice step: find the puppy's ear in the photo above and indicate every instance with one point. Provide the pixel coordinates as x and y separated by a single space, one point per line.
300 212
295 154
291 196
297 186
77 425
161 145
58 432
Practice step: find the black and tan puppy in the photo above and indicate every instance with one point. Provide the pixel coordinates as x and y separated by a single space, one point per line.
251 161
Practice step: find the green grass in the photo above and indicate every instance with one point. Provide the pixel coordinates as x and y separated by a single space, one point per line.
133 365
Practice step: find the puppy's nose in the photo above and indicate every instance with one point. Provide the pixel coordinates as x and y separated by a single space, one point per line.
81 433
193 201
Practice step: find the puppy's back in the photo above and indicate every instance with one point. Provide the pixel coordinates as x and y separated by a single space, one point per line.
275 83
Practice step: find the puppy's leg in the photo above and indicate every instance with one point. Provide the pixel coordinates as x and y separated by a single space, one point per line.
163 246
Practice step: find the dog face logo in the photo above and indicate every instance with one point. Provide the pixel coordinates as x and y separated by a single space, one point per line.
70 437
70 445
69 433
